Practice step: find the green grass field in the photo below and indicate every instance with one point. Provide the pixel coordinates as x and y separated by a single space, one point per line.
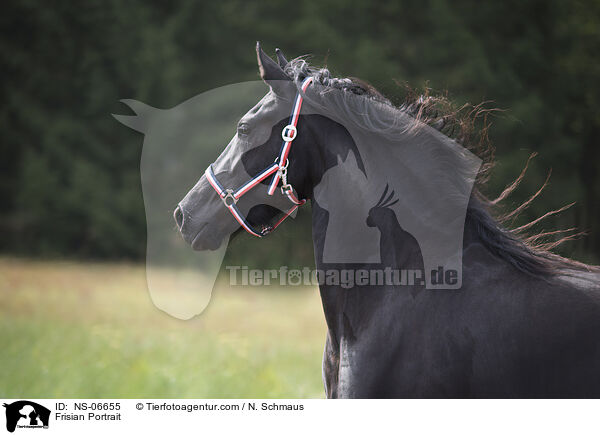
71 330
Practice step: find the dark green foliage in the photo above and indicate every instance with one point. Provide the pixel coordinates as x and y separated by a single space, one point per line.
69 179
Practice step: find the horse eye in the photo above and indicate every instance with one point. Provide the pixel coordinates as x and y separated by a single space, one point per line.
243 129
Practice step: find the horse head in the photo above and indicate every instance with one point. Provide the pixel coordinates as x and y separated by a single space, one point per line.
259 178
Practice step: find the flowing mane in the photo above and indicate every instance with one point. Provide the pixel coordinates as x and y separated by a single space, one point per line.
530 253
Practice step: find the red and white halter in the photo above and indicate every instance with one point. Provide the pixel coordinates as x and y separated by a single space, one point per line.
230 197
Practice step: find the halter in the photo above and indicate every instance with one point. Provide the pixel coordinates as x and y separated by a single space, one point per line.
230 197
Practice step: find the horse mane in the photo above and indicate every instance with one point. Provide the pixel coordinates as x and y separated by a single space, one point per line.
529 252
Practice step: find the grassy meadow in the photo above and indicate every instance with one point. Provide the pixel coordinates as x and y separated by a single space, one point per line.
77 330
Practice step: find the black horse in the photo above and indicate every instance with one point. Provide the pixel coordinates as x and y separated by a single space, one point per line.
525 322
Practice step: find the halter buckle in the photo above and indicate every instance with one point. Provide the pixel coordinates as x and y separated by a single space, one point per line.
228 197
266 230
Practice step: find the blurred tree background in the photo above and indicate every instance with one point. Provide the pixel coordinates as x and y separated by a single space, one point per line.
69 179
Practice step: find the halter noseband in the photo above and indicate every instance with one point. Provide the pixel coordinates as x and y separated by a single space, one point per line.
230 197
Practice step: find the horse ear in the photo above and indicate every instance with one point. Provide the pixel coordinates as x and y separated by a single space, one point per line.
269 70
142 117
281 58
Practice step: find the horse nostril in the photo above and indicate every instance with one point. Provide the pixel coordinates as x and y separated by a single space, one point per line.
178 215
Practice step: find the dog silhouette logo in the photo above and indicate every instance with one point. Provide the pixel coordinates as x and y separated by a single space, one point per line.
26 414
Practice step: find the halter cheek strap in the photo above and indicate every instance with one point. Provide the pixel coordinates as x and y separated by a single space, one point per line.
230 197
288 134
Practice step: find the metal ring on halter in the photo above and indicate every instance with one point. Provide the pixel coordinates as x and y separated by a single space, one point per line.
287 163
288 137
229 195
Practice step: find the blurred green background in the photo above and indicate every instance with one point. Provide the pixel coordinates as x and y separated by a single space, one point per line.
73 330
70 186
